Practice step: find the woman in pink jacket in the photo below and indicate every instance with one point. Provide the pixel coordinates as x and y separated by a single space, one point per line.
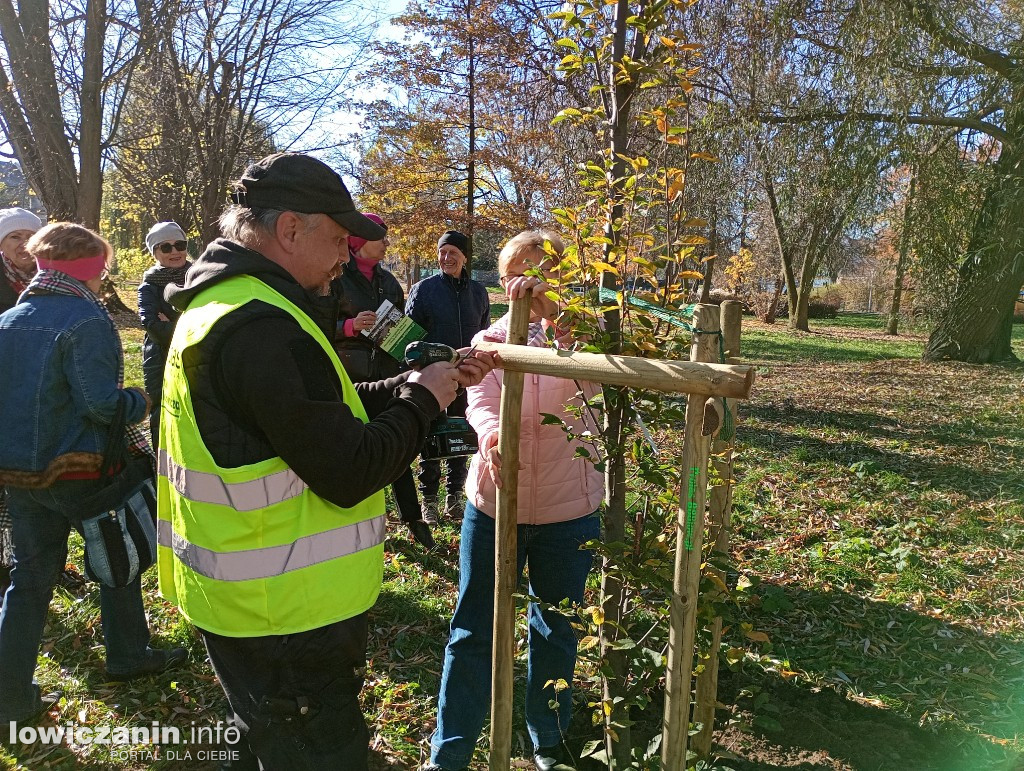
559 497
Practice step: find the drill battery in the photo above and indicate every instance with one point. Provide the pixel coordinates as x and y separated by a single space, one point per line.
449 437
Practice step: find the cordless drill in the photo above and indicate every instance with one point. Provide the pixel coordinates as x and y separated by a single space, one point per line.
448 436
422 354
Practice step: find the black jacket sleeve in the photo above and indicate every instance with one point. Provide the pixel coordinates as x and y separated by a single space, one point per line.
150 297
280 383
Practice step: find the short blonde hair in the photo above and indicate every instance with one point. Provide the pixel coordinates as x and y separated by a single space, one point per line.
526 245
67 241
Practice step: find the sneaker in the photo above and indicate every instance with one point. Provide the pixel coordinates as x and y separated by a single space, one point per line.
157 661
435 767
430 513
555 758
453 507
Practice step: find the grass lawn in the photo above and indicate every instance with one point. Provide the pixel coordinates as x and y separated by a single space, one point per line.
879 539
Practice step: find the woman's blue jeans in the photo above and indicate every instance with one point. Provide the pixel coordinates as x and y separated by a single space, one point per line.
42 521
558 570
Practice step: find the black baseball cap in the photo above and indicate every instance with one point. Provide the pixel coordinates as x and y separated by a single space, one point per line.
301 183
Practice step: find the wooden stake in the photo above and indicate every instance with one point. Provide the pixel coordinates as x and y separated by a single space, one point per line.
732 321
689 541
693 377
719 517
507 502
707 678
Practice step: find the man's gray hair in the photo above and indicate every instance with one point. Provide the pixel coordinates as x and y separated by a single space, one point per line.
249 227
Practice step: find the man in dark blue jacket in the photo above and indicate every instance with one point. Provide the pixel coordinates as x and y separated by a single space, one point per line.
452 307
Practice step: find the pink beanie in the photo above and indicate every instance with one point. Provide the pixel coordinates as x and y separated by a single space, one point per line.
355 243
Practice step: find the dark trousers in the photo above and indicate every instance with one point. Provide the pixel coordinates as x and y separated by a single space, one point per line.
295 698
154 423
558 569
430 476
154 381
404 490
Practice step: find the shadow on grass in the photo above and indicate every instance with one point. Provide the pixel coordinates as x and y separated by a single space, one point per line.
977 484
963 432
933 672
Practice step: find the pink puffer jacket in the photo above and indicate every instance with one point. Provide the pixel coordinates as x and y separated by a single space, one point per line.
553 485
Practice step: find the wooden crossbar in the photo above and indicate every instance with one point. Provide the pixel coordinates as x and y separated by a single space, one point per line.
692 377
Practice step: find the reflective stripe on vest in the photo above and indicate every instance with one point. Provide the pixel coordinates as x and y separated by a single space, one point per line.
252 550
203 487
273 560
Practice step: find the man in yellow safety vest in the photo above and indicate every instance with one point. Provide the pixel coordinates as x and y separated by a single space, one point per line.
272 466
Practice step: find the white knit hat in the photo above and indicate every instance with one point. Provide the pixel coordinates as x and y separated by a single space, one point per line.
17 219
164 231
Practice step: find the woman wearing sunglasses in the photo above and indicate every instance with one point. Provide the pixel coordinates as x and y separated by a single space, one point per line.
167 243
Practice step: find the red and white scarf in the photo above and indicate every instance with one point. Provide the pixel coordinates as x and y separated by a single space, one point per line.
18 279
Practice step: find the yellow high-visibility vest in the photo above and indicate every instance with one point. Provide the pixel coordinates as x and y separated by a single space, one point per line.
252 551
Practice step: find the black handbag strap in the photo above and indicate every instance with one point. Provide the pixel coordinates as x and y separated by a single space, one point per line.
114 454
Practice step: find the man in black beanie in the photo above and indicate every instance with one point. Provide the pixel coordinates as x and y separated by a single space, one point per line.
452 307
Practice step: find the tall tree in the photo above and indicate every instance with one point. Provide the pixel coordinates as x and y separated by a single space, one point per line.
240 69
819 181
62 80
472 112
918 62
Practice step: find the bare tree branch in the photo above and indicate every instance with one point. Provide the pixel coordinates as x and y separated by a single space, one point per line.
958 121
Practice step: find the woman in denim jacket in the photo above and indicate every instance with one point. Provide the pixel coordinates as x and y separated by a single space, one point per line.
63 368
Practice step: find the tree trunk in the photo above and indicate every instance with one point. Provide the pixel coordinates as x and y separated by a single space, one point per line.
709 267
111 299
785 251
808 271
977 324
50 166
773 307
90 175
892 328
471 165
615 674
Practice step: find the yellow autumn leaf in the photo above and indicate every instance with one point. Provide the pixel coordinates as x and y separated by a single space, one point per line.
604 267
757 636
714 577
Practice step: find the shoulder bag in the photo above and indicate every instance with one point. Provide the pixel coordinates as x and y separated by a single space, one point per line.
119 526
